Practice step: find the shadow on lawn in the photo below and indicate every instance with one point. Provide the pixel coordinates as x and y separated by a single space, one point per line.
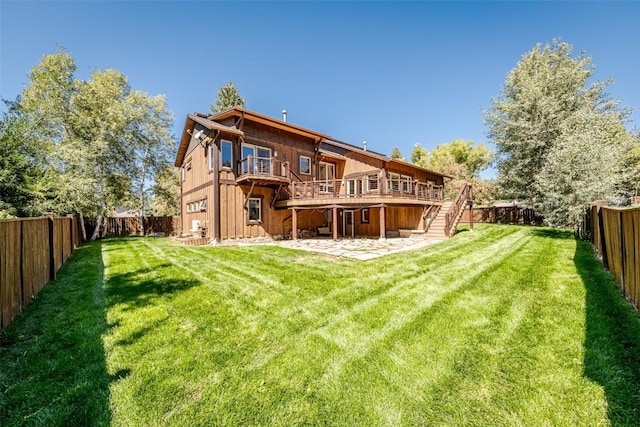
140 287
52 358
612 339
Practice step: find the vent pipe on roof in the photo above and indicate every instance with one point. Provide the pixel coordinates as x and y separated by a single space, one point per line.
364 145
284 115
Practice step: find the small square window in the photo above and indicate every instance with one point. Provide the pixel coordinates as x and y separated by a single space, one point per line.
254 213
305 165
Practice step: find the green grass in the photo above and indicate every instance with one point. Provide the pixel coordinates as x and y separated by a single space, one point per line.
503 326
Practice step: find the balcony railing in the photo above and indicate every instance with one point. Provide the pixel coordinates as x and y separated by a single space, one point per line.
263 166
365 188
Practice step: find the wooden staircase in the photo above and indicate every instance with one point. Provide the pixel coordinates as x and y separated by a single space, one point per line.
444 224
436 230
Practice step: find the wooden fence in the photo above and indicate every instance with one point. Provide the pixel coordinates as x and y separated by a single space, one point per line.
503 215
615 233
32 250
124 226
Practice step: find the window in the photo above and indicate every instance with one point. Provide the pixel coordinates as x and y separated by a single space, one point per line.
197 206
365 216
255 210
305 165
407 184
327 173
187 165
372 182
210 149
226 154
255 160
394 179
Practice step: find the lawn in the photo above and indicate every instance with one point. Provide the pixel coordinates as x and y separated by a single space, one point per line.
502 326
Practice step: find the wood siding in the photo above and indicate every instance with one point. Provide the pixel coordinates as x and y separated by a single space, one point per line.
230 197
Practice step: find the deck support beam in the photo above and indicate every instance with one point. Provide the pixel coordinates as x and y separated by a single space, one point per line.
383 234
294 224
334 223
471 216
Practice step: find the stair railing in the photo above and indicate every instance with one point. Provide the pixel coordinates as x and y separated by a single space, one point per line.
462 198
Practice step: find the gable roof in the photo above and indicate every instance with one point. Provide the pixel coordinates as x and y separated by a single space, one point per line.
208 124
212 122
269 121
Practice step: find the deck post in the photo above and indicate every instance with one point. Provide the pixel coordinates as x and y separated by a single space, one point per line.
382 222
294 224
334 223
471 216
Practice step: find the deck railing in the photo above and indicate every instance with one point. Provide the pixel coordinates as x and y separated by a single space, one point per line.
265 166
365 188
463 197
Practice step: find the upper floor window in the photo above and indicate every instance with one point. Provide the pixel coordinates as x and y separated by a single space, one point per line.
407 184
226 154
210 149
394 179
305 165
372 182
255 160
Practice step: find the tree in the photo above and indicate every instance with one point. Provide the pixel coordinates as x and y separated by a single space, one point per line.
167 192
546 111
460 160
148 130
396 154
20 161
419 155
104 140
228 97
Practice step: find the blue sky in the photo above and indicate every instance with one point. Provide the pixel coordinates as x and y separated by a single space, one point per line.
390 73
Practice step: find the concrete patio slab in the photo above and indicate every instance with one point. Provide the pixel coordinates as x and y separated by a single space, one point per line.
360 249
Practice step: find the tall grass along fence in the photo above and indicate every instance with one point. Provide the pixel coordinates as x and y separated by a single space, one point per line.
615 233
32 250
503 215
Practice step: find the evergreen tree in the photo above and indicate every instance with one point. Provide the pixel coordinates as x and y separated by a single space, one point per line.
228 97
396 154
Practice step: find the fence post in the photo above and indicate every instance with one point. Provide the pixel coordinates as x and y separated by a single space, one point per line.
603 243
23 303
52 256
623 254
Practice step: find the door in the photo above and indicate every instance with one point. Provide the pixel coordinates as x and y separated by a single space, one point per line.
326 173
348 226
259 162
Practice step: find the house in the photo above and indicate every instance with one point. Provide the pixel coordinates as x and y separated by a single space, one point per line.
244 174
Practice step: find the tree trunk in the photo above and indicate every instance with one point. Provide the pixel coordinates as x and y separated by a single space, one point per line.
104 227
83 230
96 230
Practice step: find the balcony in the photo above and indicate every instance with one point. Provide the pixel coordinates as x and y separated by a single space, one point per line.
262 171
364 191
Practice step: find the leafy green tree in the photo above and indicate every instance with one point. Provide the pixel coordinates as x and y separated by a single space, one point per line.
104 139
461 161
460 158
20 163
587 166
396 154
228 96
166 190
547 109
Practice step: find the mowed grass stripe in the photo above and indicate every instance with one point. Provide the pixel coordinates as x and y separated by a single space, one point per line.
501 326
